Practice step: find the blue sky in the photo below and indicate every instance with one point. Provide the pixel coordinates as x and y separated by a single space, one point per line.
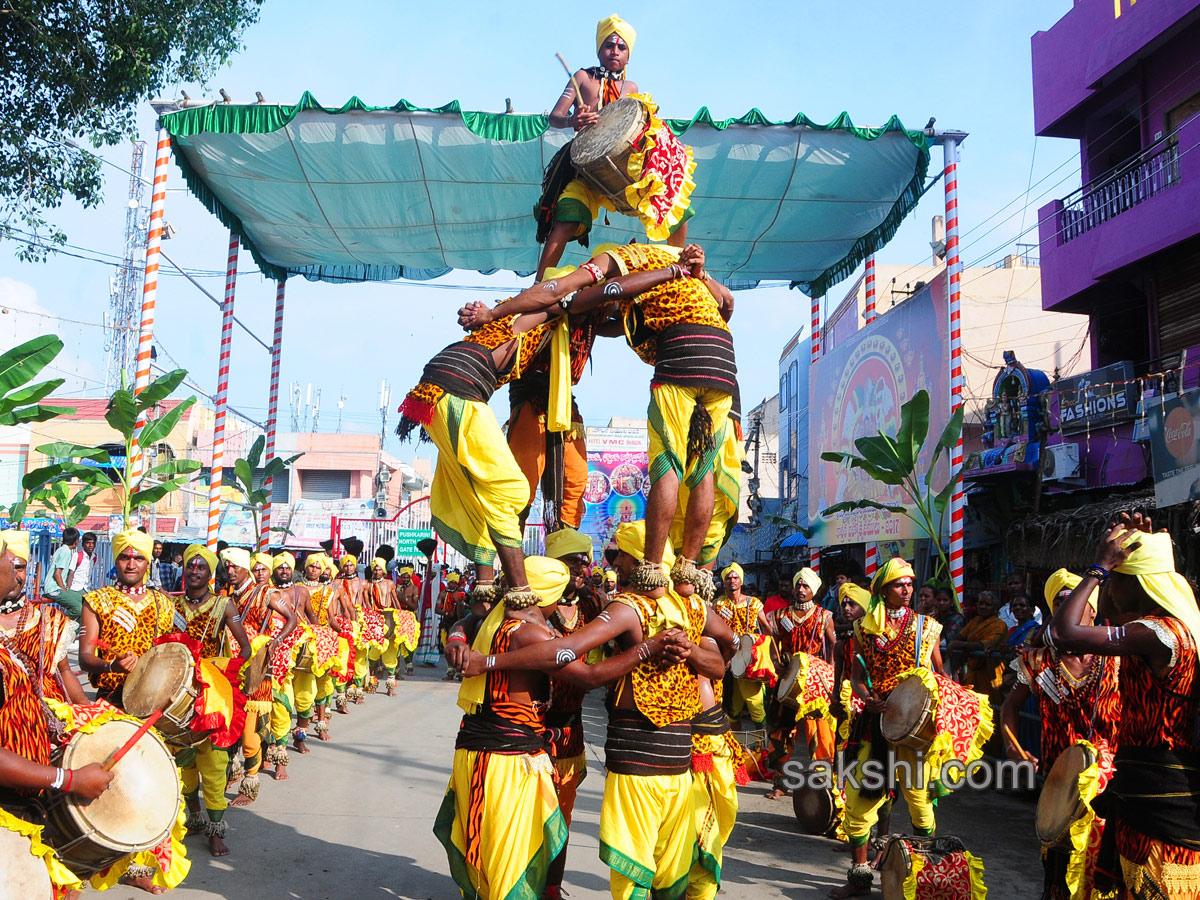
872 59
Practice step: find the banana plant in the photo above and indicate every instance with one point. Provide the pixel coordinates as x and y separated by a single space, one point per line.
71 508
21 402
96 468
256 498
892 459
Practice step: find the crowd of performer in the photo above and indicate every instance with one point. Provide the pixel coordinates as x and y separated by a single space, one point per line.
232 672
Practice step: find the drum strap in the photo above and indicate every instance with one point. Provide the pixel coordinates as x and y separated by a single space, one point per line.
918 632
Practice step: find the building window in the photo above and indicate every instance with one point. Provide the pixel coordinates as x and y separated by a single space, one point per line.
783 391
324 484
794 381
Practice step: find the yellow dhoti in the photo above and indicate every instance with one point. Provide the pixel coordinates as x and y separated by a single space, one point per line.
648 834
520 827
478 490
714 823
207 771
727 472
670 422
863 812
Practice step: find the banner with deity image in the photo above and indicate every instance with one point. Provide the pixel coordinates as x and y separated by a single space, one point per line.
856 391
618 482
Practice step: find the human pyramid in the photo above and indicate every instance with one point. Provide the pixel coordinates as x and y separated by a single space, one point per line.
218 673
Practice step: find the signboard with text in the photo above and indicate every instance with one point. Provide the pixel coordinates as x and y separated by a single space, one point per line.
1175 449
618 481
1096 398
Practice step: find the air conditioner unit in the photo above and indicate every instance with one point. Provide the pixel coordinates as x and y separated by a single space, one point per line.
1061 462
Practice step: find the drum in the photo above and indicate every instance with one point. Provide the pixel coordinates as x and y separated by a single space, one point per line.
137 810
256 670
908 719
164 679
600 154
816 812
806 682
927 869
1060 806
744 656
23 875
304 658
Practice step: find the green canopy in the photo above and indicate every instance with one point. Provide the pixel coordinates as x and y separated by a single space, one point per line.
365 193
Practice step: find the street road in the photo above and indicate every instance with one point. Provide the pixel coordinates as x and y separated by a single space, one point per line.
355 821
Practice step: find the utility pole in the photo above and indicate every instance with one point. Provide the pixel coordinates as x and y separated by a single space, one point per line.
385 395
316 411
294 392
341 405
124 304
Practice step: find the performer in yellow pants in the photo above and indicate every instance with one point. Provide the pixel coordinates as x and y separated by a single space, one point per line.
203 769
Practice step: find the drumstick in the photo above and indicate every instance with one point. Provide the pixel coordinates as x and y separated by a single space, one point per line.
1012 737
115 756
102 645
574 83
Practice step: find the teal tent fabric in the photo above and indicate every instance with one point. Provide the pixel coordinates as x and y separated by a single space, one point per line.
360 193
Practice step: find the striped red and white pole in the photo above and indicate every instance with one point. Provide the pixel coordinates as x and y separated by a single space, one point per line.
158 202
869 312
218 448
954 286
872 559
264 533
814 554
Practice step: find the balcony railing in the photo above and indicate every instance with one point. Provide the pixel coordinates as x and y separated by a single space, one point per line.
1135 181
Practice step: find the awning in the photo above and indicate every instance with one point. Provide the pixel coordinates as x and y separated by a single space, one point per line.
796 539
361 193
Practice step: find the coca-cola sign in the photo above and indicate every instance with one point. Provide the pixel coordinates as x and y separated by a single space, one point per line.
1174 427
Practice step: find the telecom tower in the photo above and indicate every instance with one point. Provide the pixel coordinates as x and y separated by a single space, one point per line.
124 306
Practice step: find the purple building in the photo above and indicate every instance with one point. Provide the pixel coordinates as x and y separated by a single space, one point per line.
1123 78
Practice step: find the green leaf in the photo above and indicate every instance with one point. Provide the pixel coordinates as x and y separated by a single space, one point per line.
838 457
847 505
160 389
67 450
34 392
914 426
22 363
153 493
37 413
254 457
122 413
157 429
881 452
244 474
16 512
942 499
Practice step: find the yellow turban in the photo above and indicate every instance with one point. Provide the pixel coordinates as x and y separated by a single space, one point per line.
327 562
194 550
609 574
548 578
404 570
262 559
733 569
237 556
132 539
347 558
283 559
614 24
631 538
809 577
1153 563
17 541
453 578
567 542
852 592
380 563
891 570
875 621
316 559
1060 581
